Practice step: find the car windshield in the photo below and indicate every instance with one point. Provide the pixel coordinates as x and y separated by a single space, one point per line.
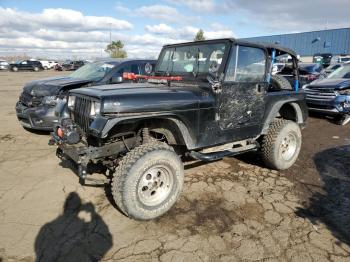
93 71
191 59
341 72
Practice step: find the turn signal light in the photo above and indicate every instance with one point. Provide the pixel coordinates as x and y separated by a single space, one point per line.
60 132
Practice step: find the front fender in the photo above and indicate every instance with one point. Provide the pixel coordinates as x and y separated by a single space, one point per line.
103 125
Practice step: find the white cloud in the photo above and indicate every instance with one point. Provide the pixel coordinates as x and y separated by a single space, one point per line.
65 32
64 19
160 29
196 5
187 33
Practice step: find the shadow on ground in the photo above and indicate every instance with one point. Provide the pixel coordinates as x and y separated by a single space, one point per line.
331 205
79 234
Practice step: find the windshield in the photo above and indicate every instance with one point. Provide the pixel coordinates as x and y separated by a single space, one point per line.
93 71
191 59
341 72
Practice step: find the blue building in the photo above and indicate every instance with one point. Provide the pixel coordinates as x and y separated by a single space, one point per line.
334 41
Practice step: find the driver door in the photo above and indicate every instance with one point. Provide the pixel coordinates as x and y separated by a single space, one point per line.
241 102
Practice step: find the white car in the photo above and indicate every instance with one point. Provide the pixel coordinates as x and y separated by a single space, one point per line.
52 64
4 65
46 64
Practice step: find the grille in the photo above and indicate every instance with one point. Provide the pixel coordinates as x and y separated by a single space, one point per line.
320 94
82 109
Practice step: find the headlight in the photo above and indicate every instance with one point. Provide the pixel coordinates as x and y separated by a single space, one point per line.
344 92
71 102
50 100
95 108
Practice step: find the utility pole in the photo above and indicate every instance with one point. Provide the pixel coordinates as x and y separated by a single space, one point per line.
110 33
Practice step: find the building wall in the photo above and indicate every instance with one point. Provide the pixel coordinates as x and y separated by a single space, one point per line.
334 41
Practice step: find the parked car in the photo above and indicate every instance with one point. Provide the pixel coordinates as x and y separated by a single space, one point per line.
36 106
344 59
46 65
332 68
331 96
322 58
31 65
197 104
308 72
4 65
70 65
52 64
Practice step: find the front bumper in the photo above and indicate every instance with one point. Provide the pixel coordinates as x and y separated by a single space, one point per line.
37 118
337 106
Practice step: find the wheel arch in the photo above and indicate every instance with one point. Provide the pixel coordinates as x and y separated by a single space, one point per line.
290 110
175 130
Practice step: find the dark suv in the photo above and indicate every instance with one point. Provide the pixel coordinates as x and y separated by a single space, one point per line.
206 100
36 106
331 95
29 65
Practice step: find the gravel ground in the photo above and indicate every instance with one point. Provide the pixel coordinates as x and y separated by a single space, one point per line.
230 210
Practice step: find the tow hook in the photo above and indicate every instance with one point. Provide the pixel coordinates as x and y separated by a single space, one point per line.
82 174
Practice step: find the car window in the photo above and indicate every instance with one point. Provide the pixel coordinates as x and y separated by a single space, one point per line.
247 64
24 62
133 68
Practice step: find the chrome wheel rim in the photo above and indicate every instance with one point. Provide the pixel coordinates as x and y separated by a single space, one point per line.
288 146
155 185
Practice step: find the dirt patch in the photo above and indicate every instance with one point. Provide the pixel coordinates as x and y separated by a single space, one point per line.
6 138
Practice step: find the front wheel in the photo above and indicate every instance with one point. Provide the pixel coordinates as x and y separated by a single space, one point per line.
14 69
281 145
36 69
148 181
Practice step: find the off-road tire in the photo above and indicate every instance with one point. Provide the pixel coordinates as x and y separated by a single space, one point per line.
14 69
130 171
271 148
279 82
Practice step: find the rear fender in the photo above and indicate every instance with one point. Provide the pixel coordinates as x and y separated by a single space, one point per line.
300 115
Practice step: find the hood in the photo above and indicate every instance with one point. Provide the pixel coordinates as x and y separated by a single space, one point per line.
334 83
146 97
52 86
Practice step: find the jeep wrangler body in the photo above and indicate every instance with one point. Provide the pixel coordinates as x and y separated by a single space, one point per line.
206 100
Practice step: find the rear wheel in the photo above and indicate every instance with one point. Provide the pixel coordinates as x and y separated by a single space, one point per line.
281 145
148 181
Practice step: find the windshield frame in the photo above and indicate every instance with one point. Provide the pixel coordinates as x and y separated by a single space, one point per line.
198 74
94 64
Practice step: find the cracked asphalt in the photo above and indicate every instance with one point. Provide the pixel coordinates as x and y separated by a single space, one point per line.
230 210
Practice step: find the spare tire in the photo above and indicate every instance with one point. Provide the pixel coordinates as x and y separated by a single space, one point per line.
279 83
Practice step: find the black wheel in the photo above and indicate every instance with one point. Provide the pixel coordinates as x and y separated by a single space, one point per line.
281 145
279 82
148 181
15 69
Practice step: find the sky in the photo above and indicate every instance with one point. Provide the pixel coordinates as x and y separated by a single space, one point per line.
81 29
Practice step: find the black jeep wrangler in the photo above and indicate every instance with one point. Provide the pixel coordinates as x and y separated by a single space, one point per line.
206 100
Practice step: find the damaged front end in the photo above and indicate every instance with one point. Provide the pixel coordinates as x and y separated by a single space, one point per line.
74 145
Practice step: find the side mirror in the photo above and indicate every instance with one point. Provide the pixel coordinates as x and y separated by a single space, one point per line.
116 80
